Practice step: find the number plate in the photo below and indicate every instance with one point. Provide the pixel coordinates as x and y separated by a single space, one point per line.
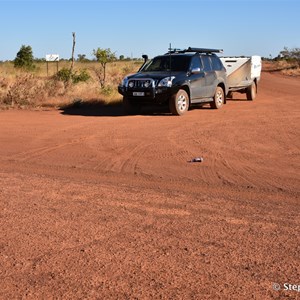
140 94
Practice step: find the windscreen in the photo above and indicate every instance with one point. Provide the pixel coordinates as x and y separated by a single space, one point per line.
179 63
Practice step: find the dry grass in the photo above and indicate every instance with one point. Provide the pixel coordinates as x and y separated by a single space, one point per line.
288 68
22 90
36 89
291 72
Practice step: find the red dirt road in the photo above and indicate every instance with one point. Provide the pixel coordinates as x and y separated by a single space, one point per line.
106 206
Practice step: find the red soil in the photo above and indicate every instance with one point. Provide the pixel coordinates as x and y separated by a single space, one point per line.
108 207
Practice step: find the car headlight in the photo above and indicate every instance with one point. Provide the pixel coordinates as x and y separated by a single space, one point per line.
147 83
166 82
124 82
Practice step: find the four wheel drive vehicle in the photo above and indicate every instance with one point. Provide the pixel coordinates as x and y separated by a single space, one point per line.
179 78
243 74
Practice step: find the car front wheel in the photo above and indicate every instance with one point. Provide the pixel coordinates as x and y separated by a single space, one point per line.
179 103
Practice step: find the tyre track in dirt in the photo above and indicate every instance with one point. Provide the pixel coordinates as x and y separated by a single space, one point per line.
214 135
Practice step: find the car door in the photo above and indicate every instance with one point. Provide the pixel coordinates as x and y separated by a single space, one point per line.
210 76
196 78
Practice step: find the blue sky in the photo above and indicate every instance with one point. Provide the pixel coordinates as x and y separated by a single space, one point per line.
132 27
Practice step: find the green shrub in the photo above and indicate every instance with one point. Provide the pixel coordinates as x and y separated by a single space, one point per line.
24 59
66 75
82 76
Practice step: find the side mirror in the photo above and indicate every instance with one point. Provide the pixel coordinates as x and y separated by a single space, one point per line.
195 71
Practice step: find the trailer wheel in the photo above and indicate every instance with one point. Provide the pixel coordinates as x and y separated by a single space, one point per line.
218 98
251 91
129 108
179 103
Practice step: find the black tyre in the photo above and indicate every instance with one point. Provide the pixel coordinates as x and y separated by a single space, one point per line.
130 108
251 91
179 103
219 98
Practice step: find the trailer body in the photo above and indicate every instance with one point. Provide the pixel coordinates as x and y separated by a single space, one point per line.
243 73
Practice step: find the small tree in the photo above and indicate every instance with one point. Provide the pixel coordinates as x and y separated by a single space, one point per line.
290 53
81 57
104 56
24 58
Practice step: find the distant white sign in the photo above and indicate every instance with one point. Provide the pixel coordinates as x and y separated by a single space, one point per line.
52 57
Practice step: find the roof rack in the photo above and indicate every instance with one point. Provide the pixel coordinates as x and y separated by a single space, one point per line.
203 50
198 50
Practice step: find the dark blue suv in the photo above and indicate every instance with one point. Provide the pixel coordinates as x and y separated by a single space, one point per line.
179 78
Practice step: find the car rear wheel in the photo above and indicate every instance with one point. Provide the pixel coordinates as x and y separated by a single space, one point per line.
218 98
179 103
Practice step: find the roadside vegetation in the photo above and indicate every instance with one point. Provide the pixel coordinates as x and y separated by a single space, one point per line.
286 63
21 88
29 83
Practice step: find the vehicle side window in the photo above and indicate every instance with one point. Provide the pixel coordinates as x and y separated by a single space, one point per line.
216 63
206 63
196 63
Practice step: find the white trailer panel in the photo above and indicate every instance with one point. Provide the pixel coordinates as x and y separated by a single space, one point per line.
242 71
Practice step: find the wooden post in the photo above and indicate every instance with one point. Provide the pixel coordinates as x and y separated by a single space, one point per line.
73 49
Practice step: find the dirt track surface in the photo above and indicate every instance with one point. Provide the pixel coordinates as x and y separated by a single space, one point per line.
106 206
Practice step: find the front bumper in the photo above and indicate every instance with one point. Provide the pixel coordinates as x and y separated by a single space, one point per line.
155 95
